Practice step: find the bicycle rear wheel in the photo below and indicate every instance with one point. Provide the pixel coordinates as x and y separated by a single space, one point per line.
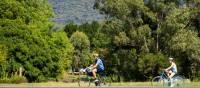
104 81
157 81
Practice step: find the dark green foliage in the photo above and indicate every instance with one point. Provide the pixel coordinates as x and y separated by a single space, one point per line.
3 63
70 29
94 31
124 63
28 42
151 64
41 54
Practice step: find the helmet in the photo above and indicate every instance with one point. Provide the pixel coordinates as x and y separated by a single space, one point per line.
96 55
171 58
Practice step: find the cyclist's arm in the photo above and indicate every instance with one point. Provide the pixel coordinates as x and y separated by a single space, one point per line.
96 64
170 67
91 65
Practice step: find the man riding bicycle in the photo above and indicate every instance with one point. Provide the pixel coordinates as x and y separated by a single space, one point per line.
171 70
96 67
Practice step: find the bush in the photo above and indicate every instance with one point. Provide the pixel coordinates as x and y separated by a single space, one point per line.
117 78
150 64
18 79
5 80
14 79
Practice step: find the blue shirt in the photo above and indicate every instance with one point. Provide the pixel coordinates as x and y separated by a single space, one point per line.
174 68
99 64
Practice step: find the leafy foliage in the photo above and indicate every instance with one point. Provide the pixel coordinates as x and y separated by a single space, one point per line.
24 31
81 44
156 29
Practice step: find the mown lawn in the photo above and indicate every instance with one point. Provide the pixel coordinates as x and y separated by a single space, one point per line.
62 84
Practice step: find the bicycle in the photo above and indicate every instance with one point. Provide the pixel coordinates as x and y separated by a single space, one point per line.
163 80
86 80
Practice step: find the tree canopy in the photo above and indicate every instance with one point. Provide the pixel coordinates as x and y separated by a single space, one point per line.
142 32
29 43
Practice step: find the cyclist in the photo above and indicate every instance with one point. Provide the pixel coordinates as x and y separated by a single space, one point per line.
96 67
171 70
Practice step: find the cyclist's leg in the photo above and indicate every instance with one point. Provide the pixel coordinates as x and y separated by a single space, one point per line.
94 71
97 71
170 77
168 72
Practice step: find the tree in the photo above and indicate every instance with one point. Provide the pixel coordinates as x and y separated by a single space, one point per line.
25 32
81 43
3 64
150 64
155 29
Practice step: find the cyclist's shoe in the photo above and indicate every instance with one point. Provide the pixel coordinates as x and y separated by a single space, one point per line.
171 85
96 80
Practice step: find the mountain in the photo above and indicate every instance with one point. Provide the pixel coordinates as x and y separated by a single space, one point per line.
77 11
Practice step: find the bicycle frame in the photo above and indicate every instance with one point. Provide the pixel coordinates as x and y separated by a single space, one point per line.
163 75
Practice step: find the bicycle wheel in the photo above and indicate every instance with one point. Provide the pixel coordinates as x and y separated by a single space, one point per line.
104 81
178 81
157 81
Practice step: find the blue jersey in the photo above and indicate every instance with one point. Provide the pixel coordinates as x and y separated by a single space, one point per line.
99 64
174 68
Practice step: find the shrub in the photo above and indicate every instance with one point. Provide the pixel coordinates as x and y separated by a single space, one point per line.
14 79
5 80
18 79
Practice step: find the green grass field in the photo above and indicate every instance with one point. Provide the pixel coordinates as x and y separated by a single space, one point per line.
75 84
68 82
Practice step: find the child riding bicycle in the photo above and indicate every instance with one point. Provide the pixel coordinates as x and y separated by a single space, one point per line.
171 70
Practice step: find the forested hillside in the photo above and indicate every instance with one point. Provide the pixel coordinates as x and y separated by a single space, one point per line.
135 40
77 11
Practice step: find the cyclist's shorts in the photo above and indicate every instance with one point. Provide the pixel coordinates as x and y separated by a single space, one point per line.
174 71
98 71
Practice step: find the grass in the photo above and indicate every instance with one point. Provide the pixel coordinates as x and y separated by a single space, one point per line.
75 84
69 83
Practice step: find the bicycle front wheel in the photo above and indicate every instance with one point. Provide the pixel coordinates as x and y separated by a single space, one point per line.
178 81
157 81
